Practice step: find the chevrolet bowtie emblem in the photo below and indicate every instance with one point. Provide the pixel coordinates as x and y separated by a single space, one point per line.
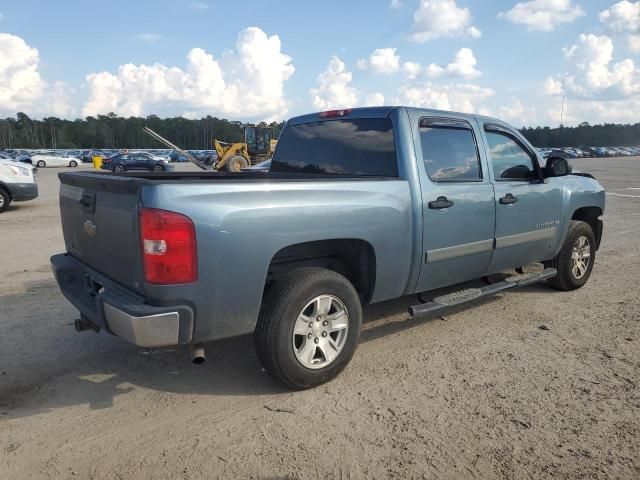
89 228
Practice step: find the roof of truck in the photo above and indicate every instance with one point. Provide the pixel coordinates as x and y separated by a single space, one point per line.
381 112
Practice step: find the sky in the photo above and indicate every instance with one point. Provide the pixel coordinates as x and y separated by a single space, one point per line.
256 60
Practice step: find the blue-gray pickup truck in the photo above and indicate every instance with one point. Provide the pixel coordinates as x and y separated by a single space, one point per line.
358 206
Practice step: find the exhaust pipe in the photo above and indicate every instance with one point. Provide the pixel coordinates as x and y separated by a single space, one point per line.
197 354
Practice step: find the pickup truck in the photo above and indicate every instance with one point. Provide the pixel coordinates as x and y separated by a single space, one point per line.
359 206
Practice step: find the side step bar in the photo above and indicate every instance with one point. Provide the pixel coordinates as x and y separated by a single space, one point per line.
468 294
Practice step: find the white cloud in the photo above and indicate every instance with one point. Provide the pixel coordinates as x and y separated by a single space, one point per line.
441 18
456 97
592 73
597 89
198 6
543 15
149 37
518 114
593 111
395 4
374 100
382 60
623 16
20 82
553 86
411 70
463 65
334 87
633 42
247 82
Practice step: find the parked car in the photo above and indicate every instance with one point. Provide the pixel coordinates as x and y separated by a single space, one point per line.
123 162
52 159
17 183
359 206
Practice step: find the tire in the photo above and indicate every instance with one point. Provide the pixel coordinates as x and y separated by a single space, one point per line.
119 169
237 163
41 164
571 276
283 307
158 168
73 164
5 200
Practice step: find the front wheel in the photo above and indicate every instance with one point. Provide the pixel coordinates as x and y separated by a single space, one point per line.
237 163
73 164
118 169
158 168
309 327
41 164
575 260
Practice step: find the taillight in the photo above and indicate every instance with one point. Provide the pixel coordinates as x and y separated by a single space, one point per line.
335 113
168 242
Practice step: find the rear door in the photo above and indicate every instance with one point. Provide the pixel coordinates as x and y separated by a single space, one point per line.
457 201
527 208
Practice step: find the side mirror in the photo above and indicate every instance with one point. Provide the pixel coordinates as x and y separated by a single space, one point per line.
557 167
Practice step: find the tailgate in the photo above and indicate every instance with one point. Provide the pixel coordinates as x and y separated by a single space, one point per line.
100 224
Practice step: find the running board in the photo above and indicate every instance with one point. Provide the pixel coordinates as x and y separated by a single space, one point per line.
469 294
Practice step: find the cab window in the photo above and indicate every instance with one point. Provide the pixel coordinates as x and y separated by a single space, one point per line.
449 151
509 159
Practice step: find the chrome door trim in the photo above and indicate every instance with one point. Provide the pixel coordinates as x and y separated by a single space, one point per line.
525 237
447 253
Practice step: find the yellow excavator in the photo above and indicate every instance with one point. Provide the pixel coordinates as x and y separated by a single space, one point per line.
259 144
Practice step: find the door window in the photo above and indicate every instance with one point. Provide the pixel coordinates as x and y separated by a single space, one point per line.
510 160
449 151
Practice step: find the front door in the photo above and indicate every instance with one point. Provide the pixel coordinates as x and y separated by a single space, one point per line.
458 201
527 208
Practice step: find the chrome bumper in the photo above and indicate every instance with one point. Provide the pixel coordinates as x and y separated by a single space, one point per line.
118 310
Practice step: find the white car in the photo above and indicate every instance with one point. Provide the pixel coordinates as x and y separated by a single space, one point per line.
17 183
42 160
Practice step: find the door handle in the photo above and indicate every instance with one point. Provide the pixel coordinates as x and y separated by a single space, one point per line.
508 199
440 203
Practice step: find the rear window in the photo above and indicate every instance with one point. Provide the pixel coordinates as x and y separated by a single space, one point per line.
362 146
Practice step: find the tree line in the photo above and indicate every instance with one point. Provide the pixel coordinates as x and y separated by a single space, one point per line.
112 131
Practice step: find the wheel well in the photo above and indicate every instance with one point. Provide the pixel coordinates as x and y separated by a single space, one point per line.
590 215
353 258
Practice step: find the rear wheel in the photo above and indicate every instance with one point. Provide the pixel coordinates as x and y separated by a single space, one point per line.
158 168
41 164
73 163
118 169
5 200
309 327
575 260
237 163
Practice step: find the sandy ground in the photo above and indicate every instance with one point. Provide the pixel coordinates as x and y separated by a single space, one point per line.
530 384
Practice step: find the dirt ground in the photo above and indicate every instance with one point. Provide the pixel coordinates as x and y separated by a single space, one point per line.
529 384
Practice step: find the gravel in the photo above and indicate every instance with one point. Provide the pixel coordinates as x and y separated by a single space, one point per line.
533 383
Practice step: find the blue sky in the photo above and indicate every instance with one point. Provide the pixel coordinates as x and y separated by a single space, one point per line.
255 60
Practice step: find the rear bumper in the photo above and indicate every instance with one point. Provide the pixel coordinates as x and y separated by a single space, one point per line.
21 192
119 310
